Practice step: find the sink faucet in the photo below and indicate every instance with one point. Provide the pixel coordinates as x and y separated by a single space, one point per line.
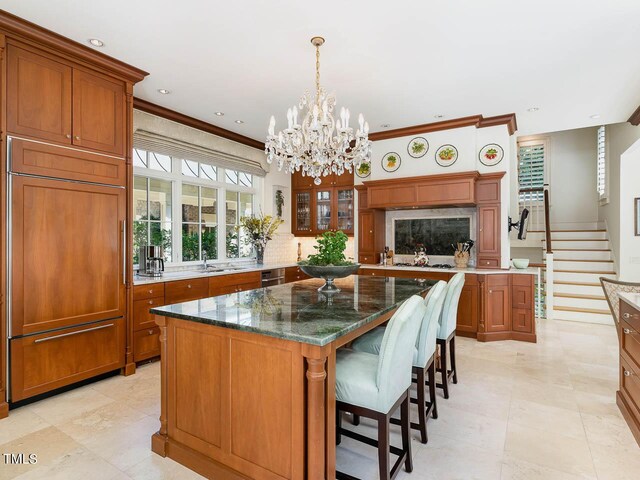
204 258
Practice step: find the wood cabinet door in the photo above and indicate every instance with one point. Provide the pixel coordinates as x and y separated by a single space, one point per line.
38 96
522 320
344 180
68 254
498 309
298 181
366 234
467 320
324 207
98 113
343 211
489 230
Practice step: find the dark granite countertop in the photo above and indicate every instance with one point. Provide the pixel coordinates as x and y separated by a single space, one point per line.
297 311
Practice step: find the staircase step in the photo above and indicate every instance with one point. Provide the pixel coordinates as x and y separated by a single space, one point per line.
575 244
572 300
581 296
584 284
581 254
580 276
579 234
583 265
577 288
586 315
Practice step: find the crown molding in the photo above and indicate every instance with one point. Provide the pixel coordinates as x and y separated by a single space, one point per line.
25 31
634 119
178 117
477 121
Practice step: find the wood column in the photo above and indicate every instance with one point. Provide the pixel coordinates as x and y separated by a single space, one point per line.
316 375
160 438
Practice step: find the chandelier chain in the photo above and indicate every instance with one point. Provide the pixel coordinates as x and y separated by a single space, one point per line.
318 74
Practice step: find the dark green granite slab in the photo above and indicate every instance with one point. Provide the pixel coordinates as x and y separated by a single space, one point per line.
297 311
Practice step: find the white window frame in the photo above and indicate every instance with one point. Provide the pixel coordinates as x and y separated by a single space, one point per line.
527 142
603 198
176 178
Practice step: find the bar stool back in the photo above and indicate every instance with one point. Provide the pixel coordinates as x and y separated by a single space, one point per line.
447 332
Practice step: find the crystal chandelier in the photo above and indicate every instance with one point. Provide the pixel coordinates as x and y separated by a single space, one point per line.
318 145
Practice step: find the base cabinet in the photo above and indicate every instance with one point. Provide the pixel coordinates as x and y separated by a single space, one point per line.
628 396
491 307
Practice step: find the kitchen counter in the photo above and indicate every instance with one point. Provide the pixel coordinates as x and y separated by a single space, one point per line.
479 271
195 273
632 298
297 311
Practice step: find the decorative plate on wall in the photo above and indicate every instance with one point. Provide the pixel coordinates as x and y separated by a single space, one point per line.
418 147
391 162
491 154
446 155
365 170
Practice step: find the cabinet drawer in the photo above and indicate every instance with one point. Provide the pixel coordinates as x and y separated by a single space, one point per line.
234 279
293 274
186 290
367 258
142 318
228 289
146 344
630 385
47 361
152 290
522 320
630 343
630 315
484 262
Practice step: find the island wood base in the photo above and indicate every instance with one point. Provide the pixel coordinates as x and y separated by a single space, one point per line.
631 420
240 405
4 410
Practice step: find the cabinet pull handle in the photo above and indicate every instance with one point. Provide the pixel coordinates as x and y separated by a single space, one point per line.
40 340
627 373
626 330
124 253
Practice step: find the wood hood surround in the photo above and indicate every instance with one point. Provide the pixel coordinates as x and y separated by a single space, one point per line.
432 191
462 189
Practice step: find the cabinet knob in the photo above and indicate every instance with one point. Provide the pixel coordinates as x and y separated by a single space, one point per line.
627 315
150 302
68 135
488 263
490 291
77 137
627 373
150 332
150 291
370 231
189 286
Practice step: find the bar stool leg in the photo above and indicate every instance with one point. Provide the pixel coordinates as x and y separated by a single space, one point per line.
383 447
338 426
432 389
452 352
422 417
443 368
406 428
355 420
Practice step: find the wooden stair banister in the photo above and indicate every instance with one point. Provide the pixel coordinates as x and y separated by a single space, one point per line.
547 223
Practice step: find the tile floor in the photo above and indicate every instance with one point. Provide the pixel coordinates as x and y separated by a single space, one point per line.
542 411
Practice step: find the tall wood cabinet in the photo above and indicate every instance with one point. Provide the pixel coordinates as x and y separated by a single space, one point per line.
371 229
327 207
488 201
66 118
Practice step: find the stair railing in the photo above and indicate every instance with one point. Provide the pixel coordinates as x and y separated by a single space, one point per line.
548 256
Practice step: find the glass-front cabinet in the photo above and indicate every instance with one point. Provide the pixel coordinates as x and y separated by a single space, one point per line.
302 212
323 208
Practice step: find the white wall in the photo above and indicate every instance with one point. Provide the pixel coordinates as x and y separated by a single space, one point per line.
468 141
620 137
629 259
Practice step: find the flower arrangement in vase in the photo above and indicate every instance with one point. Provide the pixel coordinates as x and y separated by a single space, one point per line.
259 230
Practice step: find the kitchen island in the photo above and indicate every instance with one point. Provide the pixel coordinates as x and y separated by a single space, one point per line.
248 379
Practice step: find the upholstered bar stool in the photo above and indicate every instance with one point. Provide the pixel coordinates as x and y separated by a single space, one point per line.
446 337
423 355
375 386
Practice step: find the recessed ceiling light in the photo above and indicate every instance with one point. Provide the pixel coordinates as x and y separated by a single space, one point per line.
96 43
219 114
385 125
533 109
164 91
595 115
239 121
439 115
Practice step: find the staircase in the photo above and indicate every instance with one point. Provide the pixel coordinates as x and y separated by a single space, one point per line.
581 257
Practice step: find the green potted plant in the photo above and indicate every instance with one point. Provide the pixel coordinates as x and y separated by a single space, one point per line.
259 230
329 262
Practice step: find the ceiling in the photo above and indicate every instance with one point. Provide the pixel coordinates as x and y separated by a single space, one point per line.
399 63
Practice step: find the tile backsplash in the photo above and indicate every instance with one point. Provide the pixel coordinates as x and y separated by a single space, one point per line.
283 248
